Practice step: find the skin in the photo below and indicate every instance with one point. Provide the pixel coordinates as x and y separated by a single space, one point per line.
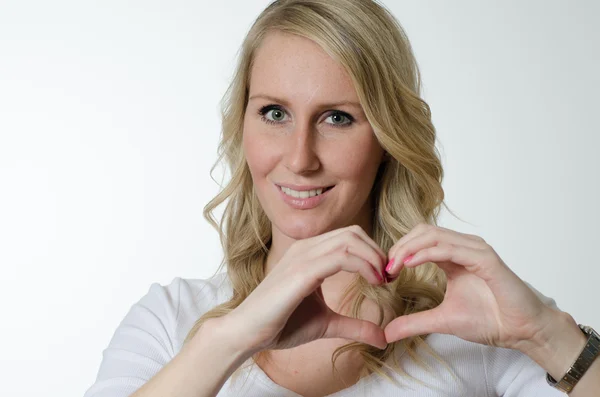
485 301
306 147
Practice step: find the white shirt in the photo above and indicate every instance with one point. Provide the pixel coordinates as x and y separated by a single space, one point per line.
153 330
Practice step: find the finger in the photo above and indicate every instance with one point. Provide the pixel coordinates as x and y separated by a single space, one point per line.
359 231
432 237
409 325
340 326
303 281
476 261
350 262
332 263
425 229
353 244
415 231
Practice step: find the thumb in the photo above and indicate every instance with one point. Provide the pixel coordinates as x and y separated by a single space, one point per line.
340 326
421 323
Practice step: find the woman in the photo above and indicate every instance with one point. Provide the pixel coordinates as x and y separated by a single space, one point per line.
338 280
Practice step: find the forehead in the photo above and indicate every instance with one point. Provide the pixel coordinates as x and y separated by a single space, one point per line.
298 69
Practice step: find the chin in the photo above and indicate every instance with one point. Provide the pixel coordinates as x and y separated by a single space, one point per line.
302 229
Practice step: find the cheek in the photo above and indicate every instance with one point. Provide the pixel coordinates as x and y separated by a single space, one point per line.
356 160
259 152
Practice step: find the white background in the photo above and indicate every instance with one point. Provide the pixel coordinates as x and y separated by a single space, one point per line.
109 125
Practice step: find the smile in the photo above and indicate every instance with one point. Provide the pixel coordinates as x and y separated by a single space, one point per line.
304 193
304 199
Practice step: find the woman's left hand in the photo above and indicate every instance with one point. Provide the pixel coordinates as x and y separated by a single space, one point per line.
485 301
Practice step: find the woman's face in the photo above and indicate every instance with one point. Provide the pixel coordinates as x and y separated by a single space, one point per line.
304 129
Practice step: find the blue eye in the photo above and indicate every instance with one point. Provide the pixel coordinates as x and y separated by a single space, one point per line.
274 114
341 116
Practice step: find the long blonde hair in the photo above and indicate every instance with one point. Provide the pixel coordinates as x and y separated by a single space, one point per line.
370 43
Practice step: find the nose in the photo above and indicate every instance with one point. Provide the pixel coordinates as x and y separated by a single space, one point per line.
301 156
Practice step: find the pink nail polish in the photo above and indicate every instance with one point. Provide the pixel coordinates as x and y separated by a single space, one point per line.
408 258
389 265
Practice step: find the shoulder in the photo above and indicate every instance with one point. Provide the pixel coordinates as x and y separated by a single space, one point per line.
180 303
197 295
153 331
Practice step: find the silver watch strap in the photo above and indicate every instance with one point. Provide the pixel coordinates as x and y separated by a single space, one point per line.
583 362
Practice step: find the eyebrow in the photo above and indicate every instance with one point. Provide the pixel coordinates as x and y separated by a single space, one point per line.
324 105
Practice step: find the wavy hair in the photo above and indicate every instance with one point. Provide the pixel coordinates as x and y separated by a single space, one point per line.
368 41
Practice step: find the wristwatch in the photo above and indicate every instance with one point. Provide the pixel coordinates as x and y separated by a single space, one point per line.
583 362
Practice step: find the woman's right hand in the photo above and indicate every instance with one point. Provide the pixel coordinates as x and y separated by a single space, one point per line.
287 309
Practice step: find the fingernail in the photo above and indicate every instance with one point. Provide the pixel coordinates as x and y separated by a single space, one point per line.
389 265
408 258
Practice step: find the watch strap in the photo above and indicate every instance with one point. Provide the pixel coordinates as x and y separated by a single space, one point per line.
589 353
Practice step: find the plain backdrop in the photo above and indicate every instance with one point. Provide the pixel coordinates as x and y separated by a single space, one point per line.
109 123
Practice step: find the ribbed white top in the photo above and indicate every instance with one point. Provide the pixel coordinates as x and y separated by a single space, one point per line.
153 330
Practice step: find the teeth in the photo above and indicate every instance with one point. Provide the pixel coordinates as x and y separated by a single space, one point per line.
303 194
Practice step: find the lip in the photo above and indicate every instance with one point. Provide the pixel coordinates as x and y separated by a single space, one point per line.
303 203
303 188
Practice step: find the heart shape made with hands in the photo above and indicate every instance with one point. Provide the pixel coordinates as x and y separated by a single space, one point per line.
485 301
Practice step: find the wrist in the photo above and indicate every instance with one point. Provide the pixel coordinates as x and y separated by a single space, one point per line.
558 345
217 333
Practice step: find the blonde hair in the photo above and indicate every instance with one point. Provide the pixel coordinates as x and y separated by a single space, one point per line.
370 43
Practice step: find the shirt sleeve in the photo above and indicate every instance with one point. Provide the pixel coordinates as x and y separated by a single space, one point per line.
142 344
511 373
531 382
